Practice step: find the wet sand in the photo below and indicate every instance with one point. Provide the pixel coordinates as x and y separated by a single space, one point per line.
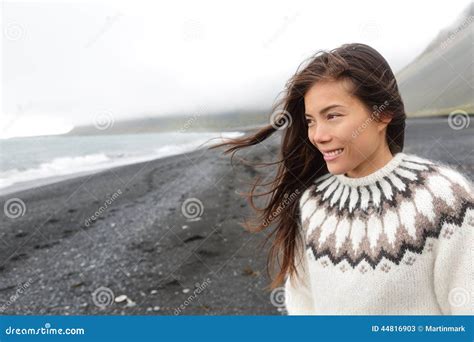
60 257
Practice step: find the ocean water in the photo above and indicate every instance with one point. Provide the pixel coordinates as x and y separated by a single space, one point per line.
32 160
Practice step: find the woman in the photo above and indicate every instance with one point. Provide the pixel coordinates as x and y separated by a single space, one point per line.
360 226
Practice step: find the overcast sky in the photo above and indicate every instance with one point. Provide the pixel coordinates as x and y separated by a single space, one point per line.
65 63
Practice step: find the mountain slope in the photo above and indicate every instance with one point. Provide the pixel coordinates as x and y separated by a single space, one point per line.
441 79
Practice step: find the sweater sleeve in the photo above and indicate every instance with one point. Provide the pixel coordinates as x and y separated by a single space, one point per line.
298 293
454 262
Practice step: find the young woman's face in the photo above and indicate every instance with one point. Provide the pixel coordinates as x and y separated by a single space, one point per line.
344 130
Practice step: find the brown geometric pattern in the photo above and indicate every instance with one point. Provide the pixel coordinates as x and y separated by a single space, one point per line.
383 215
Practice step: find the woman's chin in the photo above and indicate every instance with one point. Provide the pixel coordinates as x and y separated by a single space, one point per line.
336 169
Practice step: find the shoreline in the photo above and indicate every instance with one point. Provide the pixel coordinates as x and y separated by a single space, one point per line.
38 182
124 230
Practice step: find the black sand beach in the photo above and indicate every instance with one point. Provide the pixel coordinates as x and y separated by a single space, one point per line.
140 246
141 255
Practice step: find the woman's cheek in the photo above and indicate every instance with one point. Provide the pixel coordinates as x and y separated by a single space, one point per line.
311 135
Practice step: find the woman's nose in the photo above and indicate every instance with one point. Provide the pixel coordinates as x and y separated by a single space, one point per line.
320 134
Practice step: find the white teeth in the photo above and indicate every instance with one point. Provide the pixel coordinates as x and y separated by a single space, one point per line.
333 153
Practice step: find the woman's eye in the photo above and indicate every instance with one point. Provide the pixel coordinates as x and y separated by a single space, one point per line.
309 121
332 116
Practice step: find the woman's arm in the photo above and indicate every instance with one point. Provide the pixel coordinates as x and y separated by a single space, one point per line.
454 267
454 263
298 292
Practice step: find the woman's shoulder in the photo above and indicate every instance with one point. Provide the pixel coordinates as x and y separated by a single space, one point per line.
446 178
416 177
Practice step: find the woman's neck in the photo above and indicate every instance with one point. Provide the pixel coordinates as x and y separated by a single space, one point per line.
374 162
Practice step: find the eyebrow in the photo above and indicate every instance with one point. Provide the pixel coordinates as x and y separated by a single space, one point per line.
326 109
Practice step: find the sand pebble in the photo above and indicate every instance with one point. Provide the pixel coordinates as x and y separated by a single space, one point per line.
154 291
185 290
156 308
121 298
130 303
185 226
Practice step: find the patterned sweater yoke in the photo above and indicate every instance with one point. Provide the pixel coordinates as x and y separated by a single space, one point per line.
398 241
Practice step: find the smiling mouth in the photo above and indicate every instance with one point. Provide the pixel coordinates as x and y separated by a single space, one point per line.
332 153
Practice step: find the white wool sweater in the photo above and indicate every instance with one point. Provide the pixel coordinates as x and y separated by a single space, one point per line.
396 242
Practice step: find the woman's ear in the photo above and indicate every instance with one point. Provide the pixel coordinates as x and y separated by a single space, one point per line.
383 120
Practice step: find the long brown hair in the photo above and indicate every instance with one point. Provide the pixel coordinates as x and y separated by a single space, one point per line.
300 163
